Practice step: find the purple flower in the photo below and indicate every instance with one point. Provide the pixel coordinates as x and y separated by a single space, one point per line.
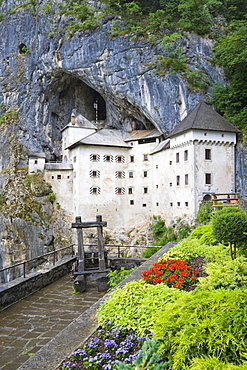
110 343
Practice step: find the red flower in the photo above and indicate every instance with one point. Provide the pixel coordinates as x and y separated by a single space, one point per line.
183 273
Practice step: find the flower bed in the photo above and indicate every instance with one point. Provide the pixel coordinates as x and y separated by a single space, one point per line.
105 348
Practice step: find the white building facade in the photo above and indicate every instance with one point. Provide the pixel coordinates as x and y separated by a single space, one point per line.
130 177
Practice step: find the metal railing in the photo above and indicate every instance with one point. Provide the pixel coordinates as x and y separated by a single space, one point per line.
54 254
24 263
122 246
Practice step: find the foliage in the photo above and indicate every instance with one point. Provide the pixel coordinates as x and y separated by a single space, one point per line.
197 81
163 235
230 53
202 323
204 234
136 305
116 276
230 274
230 226
174 273
204 213
51 196
116 343
192 246
148 252
214 363
147 359
172 254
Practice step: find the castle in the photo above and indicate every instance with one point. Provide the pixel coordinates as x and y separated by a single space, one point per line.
128 177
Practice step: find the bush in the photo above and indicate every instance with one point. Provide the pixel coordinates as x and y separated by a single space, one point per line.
213 363
201 324
148 252
116 276
192 246
136 305
230 227
230 274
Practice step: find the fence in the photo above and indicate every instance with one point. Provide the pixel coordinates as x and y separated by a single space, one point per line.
25 263
55 253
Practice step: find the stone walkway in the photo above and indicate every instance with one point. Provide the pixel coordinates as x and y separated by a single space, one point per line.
31 323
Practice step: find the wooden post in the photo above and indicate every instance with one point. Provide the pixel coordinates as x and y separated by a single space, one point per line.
100 245
81 256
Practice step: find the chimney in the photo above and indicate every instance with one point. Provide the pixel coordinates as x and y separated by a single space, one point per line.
73 119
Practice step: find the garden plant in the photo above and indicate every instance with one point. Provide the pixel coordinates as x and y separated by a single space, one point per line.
177 316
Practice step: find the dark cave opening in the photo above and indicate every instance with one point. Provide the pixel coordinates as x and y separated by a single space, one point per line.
69 92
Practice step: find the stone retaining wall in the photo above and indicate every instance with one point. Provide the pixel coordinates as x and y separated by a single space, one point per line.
22 287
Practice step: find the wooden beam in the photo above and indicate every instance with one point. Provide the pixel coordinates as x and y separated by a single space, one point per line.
84 225
81 254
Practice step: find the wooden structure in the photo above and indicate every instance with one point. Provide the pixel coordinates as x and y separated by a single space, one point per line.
101 278
225 200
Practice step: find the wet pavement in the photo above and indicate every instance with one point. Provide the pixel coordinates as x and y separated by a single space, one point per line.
28 325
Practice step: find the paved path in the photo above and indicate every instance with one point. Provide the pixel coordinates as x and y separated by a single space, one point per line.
31 323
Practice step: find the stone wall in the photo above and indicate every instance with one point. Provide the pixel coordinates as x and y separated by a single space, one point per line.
22 287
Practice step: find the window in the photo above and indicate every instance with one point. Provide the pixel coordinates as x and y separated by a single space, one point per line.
130 190
119 191
52 177
178 180
35 161
94 173
74 159
144 205
208 179
157 186
208 154
178 204
94 157
186 155
170 184
145 173
131 174
107 158
170 163
157 204
132 202
59 177
186 204
171 204
95 190
156 166
120 174
177 157
145 157
186 179
132 159
145 190
119 158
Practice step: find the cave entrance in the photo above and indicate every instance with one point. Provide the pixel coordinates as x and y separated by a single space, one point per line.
69 92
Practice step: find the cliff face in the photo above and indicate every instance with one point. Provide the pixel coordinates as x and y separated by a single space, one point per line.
45 76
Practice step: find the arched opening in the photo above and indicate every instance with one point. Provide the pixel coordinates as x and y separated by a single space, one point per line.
207 197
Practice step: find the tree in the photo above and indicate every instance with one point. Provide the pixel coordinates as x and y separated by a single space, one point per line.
230 226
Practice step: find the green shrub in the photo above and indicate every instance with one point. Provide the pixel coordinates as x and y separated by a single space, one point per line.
230 227
116 276
230 274
192 246
148 358
213 363
204 213
202 323
200 231
148 252
136 305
